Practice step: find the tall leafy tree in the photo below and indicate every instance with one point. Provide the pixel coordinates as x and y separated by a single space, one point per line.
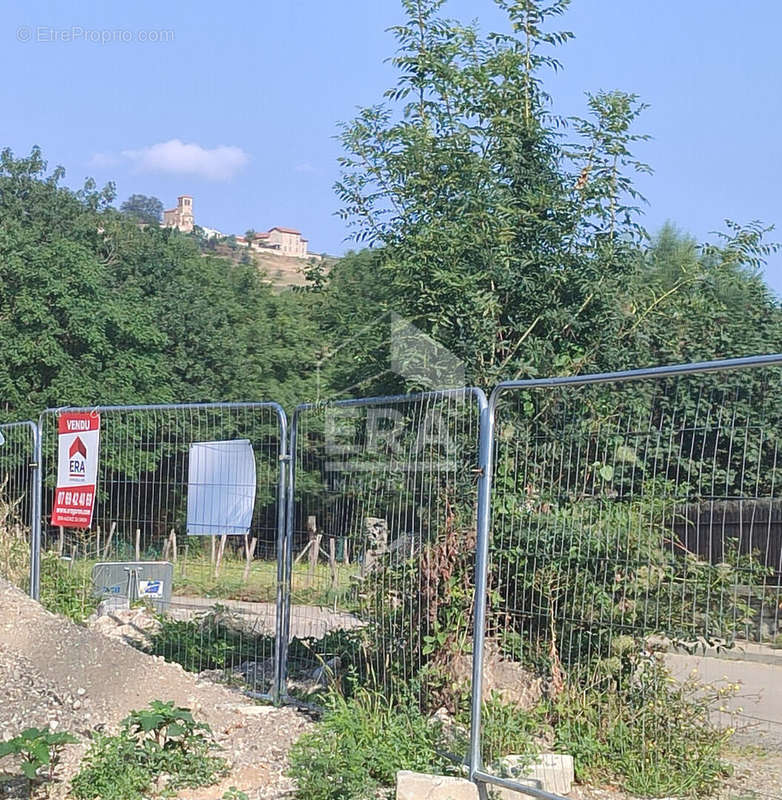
143 208
507 241
67 334
694 302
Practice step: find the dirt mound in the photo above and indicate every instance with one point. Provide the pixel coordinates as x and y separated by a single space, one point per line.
56 673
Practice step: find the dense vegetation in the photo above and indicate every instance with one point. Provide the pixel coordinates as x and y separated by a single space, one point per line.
95 308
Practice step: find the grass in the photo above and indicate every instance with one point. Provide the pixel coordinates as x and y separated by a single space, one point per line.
195 577
14 544
66 586
359 745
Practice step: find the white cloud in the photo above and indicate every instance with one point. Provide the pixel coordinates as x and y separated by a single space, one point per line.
305 167
181 158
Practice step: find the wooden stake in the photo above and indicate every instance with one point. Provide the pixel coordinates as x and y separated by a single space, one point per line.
97 540
220 552
302 553
61 543
170 546
314 537
250 552
333 562
212 557
107 543
138 544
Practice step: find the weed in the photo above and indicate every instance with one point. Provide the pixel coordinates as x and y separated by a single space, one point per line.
159 744
637 725
360 744
506 729
14 542
38 747
65 591
232 793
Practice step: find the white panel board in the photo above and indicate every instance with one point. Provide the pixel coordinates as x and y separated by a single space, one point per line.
220 488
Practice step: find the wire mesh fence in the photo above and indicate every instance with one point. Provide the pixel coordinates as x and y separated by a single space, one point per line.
188 516
17 496
632 542
382 535
581 567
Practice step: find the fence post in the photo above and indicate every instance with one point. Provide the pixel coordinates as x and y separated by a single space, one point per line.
284 557
485 464
36 512
282 506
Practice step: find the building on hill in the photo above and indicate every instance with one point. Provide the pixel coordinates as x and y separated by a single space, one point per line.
210 233
288 241
180 217
285 241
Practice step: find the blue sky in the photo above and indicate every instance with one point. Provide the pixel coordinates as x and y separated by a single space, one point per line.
267 83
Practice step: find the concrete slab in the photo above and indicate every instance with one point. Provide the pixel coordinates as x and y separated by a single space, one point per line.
551 772
419 786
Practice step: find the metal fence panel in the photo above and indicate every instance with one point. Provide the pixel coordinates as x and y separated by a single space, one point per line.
18 474
223 613
630 544
381 537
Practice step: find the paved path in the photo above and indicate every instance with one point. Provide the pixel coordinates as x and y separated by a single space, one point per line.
306 621
756 712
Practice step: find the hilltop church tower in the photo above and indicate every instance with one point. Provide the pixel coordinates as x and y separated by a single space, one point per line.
180 217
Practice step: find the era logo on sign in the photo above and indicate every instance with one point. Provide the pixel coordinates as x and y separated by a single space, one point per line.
77 459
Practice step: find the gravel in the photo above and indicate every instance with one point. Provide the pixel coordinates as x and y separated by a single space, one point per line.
56 673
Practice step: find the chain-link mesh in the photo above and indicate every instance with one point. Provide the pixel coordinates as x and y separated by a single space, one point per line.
17 488
382 540
636 543
222 616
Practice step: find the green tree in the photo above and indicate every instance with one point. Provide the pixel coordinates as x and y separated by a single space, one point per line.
68 334
693 302
354 303
143 208
506 242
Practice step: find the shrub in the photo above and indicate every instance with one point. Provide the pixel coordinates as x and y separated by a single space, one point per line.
211 641
160 743
360 743
419 610
217 640
575 573
637 725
